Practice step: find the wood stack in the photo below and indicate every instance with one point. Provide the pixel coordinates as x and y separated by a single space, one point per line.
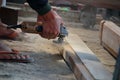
110 37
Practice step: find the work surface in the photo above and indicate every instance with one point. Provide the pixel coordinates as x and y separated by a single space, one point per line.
91 39
48 63
89 36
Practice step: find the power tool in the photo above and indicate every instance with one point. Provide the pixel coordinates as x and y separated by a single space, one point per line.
29 28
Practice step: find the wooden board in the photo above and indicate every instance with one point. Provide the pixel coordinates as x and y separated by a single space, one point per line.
88 59
110 37
75 64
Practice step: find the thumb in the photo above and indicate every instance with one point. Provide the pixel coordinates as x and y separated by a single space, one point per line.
39 23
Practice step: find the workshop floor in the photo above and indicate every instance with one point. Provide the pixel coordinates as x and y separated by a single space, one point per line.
48 63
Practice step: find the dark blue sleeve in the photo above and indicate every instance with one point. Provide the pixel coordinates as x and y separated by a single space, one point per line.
41 6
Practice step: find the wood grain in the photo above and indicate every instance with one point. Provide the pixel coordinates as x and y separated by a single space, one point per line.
110 37
88 59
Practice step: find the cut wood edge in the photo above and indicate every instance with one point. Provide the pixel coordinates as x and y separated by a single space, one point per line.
101 30
109 49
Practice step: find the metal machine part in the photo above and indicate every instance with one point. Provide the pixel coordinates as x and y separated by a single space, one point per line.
63 34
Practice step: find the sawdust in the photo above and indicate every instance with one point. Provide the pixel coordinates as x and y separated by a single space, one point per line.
48 63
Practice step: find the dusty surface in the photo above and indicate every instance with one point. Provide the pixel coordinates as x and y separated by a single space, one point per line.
48 63
91 38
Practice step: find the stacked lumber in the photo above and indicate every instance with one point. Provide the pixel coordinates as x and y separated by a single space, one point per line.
110 37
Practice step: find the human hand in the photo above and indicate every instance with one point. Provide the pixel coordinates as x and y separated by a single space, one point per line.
51 23
7 33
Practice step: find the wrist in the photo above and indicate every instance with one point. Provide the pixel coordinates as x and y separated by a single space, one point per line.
44 10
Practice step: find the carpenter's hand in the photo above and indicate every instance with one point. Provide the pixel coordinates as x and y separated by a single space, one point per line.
7 33
51 22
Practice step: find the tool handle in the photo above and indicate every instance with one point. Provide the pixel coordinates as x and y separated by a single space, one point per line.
38 29
14 26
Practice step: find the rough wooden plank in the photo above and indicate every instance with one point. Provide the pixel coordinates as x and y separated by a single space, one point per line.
90 61
109 49
110 37
75 64
101 30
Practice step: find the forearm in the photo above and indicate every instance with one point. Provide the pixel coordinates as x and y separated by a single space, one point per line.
40 6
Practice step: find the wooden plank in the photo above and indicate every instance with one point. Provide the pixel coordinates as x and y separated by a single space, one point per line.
75 64
109 49
101 30
88 58
110 37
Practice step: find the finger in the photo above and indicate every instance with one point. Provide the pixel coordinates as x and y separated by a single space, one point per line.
42 35
53 33
39 23
62 23
40 19
45 35
48 36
